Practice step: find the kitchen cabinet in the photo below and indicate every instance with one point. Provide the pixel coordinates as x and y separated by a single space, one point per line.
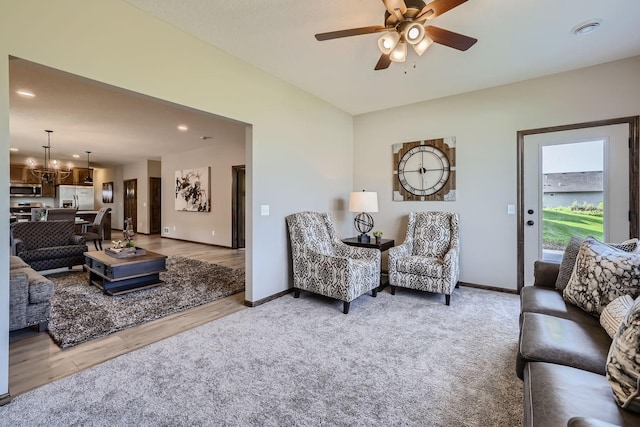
76 177
20 174
48 190
79 175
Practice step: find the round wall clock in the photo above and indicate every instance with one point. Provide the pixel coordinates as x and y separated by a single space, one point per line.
425 170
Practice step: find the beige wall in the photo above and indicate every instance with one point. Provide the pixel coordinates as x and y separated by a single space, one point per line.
485 125
100 176
300 152
219 156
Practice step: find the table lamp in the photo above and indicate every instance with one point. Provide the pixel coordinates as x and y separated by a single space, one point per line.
363 202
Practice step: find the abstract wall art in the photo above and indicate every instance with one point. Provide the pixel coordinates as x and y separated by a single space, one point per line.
107 192
192 190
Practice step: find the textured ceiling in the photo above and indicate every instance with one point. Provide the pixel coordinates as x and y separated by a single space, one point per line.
518 40
116 125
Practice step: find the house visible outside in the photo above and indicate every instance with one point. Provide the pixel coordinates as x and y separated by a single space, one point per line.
567 188
573 205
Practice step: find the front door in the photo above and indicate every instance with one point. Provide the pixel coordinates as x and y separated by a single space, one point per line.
576 183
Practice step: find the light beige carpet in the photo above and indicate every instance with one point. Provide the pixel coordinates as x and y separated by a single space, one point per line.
403 360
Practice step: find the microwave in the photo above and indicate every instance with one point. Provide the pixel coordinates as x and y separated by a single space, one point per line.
25 190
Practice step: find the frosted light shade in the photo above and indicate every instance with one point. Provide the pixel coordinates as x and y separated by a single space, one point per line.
399 54
388 41
363 201
421 47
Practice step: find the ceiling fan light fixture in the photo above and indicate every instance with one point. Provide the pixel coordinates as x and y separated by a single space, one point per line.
388 41
399 53
413 32
421 47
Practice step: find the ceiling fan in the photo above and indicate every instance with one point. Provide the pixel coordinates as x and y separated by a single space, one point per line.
404 23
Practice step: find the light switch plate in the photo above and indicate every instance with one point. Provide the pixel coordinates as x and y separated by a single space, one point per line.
511 209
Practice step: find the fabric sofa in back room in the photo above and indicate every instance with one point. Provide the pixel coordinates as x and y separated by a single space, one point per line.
29 296
566 355
46 245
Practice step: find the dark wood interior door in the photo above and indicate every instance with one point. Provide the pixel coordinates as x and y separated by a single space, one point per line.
155 200
131 202
239 207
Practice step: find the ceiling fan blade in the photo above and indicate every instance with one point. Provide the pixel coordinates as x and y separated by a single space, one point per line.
383 62
436 8
449 38
350 32
392 5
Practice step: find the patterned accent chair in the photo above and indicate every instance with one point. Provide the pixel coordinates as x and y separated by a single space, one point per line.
428 260
322 264
47 244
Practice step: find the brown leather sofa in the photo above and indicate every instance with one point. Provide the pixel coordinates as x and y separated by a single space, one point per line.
562 355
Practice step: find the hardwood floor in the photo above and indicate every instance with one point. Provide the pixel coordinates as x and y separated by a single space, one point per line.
35 360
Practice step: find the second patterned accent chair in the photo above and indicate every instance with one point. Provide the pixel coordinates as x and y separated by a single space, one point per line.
322 264
428 260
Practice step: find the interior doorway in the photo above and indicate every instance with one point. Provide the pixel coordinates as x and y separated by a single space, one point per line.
621 158
238 207
155 205
131 202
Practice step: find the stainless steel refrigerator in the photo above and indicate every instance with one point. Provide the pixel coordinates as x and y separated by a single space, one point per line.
79 197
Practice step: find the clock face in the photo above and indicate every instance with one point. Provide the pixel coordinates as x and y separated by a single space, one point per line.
423 170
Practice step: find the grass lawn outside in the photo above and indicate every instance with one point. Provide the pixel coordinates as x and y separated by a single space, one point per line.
560 224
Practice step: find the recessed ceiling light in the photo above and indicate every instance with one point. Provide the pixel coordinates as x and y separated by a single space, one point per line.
204 137
183 128
586 27
13 149
76 156
24 92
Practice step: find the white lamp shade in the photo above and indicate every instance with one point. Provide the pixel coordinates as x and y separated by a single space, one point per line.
363 201
421 47
399 53
388 41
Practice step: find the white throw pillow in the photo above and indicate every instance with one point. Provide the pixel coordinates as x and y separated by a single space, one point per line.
614 313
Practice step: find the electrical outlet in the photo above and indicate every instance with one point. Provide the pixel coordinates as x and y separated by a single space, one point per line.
213 233
174 228
166 230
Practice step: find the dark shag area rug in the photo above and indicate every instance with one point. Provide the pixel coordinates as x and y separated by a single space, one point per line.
80 312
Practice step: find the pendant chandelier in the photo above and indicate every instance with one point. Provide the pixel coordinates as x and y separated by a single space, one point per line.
50 172
88 179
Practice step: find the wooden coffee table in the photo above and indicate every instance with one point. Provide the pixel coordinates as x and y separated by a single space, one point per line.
118 275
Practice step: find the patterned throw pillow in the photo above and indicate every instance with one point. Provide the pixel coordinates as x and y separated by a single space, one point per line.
614 313
571 252
568 261
623 364
602 273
